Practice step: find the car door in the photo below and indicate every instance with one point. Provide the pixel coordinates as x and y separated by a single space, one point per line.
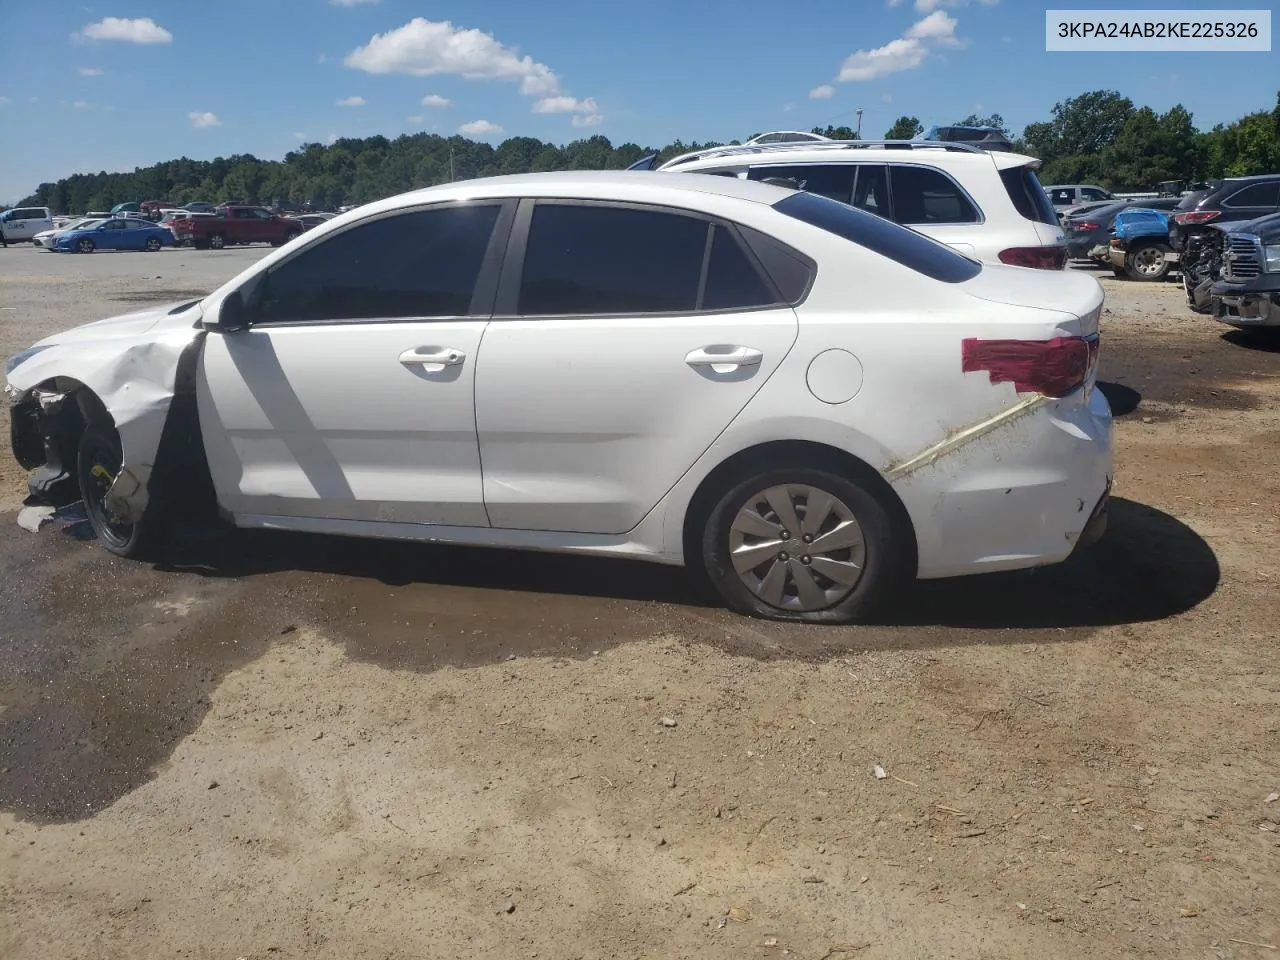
349 396
110 236
931 202
134 235
626 338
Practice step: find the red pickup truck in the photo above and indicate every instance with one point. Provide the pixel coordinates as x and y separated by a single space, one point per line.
235 225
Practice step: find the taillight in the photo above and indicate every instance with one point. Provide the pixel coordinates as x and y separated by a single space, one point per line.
1086 226
1197 216
1053 368
1039 258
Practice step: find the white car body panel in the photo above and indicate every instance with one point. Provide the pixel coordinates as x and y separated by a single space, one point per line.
593 435
324 420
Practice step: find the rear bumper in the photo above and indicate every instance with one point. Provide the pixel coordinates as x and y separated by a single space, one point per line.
1028 494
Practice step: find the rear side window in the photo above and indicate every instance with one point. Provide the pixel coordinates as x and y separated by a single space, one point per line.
1255 195
834 180
911 249
587 259
732 279
1029 199
871 189
421 264
925 195
791 271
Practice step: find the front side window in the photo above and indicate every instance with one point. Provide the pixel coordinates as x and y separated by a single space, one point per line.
922 195
834 180
599 260
421 264
117 225
1092 193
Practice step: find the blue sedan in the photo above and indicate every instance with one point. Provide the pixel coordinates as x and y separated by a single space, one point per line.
116 234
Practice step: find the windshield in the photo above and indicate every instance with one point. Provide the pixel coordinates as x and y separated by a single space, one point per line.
914 250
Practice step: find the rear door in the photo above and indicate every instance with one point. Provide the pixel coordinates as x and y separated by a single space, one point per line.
931 202
111 235
625 339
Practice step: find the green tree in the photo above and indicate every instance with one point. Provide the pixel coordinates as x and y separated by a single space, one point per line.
995 120
904 128
836 133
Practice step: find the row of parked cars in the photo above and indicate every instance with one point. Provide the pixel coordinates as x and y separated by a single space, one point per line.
125 227
1224 241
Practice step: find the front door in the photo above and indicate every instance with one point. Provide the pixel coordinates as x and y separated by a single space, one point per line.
628 342
350 395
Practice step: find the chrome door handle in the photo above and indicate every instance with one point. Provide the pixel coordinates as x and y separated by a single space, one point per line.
727 357
433 356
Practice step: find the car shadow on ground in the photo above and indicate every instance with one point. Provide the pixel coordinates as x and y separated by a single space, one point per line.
1148 566
1122 399
1264 339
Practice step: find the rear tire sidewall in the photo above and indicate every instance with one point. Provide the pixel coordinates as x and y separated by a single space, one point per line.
883 572
1131 263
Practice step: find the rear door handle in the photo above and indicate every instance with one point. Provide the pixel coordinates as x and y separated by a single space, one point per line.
724 358
438 357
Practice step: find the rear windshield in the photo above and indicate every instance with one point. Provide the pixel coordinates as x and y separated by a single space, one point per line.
1029 198
911 249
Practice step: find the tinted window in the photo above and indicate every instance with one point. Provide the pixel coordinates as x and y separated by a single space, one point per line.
587 259
1023 187
904 246
1064 195
732 279
789 269
1255 195
871 189
925 195
834 180
1092 193
28 214
421 264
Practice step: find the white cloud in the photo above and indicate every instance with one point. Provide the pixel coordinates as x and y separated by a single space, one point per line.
142 30
321 58
824 92
331 138
203 120
435 100
887 97
926 6
350 102
299 136
89 72
1006 39
350 3
565 105
82 104
417 119
587 120
905 53
788 107
426 48
479 128
937 26
5 100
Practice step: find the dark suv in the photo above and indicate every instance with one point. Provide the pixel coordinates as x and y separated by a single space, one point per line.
1240 198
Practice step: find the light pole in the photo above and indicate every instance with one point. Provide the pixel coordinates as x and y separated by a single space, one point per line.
859 131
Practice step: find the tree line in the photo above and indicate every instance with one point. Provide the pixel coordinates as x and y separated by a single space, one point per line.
1097 137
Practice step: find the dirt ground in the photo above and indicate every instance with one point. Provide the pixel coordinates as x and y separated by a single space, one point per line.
288 747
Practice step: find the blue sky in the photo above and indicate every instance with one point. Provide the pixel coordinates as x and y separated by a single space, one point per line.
124 83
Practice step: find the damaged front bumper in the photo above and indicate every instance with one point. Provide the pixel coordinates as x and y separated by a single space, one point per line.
1252 304
43 428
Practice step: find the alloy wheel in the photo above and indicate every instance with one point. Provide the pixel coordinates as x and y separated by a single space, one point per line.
797 547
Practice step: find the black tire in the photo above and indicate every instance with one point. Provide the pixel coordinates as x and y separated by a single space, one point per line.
217 241
85 245
1146 262
287 238
884 560
98 460
152 245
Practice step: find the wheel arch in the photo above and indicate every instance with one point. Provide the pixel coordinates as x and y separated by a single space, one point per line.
775 453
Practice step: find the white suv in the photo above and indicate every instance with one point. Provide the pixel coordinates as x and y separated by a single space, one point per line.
989 205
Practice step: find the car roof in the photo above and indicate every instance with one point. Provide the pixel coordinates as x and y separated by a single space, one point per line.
848 151
621 185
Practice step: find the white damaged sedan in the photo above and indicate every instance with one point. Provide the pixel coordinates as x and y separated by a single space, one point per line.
808 402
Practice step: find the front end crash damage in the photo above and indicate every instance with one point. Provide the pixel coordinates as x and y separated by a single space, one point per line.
136 386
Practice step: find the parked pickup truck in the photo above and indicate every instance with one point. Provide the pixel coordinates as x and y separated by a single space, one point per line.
236 225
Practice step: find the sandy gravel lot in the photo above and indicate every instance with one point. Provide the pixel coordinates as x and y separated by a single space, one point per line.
288 747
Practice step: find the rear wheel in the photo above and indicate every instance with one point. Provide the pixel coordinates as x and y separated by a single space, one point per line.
217 241
98 463
803 544
85 245
1146 262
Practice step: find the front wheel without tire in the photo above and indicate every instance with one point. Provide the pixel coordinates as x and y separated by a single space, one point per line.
803 544
98 463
